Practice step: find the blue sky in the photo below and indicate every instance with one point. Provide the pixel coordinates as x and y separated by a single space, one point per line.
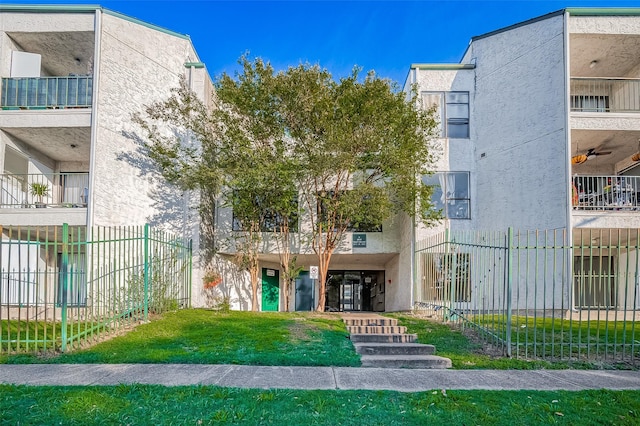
386 36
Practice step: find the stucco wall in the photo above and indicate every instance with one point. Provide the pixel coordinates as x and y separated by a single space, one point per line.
604 24
519 129
137 66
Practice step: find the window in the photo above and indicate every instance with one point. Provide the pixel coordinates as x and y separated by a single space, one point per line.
445 277
450 193
452 112
358 221
76 291
457 114
270 220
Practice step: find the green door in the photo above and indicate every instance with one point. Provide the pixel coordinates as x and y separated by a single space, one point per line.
270 289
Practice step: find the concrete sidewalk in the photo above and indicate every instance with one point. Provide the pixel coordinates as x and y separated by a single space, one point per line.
245 376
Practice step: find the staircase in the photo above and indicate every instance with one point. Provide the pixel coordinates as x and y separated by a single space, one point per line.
381 342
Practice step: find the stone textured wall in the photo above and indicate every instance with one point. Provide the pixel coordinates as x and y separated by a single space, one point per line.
137 66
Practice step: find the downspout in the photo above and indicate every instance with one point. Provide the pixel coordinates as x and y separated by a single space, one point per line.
568 182
94 115
414 273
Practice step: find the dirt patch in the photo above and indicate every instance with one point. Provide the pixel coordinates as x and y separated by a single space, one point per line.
302 332
483 347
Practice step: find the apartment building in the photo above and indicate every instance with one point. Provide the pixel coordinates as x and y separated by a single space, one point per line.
541 131
72 77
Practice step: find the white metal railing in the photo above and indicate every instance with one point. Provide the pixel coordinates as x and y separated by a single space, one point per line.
39 190
605 94
47 92
605 192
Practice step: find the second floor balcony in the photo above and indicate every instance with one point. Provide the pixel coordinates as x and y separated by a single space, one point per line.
606 193
40 190
605 95
46 92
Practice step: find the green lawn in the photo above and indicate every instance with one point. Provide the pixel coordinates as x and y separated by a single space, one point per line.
198 336
466 353
143 404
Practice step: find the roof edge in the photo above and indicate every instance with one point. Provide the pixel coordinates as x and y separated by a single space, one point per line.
443 67
49 8
603 11
146 24
519 24
84 8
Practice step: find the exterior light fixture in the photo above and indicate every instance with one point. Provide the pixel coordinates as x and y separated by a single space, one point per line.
593 64
579 159
636 156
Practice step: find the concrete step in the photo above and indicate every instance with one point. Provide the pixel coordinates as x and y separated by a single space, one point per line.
375 329
384 338
405 361
370 321
394 349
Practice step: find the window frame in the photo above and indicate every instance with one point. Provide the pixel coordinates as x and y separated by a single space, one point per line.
446 122
447 200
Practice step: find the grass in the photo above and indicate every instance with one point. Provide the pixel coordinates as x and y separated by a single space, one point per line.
197 336
468 353
146 404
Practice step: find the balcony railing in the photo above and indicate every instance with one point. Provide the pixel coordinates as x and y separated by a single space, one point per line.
606 192
605 94
38 190
46 92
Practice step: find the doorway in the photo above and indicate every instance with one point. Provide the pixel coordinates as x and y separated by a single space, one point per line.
355 291
270 289
594 282
304 292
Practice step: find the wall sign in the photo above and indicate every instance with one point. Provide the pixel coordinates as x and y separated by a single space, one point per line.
314 273
359 241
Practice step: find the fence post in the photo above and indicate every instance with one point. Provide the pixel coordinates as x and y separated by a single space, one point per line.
190 280
64 265
147 268
509 287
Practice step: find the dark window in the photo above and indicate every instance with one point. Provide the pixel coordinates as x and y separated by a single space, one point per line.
451 193
452 112
270 220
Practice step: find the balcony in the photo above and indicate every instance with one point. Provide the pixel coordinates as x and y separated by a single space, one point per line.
606 193
608 95
38 190
46 92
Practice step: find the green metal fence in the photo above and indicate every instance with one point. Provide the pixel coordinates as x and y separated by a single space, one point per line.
62 287
537 294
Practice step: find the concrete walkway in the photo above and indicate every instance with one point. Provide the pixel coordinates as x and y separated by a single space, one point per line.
245 376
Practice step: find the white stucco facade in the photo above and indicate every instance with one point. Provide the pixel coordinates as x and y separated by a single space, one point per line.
530 87
73 129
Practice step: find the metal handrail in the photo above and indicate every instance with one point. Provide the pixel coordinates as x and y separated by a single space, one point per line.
605 192
47 92
56 189
605 94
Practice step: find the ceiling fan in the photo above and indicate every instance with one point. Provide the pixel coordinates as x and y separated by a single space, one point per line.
590 154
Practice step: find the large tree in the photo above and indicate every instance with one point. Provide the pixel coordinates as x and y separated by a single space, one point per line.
345 154
362 145
238 161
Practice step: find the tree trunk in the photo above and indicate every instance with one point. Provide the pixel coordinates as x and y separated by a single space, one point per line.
253 273
323 270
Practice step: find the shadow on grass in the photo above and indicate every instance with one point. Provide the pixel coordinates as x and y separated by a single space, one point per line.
205 337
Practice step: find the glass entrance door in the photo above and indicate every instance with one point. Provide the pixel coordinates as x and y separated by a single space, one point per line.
351 299
355 291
